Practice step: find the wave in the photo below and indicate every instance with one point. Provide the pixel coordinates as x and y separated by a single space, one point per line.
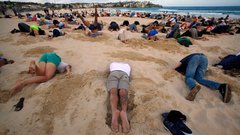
233 12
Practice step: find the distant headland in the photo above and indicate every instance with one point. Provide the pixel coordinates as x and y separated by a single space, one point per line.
37 6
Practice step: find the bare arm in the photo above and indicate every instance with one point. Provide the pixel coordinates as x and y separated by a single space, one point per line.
35 32
178 65
68 69
86 23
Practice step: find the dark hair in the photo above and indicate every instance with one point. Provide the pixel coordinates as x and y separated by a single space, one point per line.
125 23
155 22
56 33
41 32
136 23
32 33
55 22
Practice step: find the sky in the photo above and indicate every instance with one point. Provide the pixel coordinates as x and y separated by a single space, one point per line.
161 2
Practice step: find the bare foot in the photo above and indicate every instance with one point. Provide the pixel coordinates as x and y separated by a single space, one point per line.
115 117
18 87
125 122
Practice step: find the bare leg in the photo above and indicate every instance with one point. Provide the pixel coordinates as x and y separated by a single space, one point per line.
50 71
33 68
86 23
123 114
41 68
96 16
115 111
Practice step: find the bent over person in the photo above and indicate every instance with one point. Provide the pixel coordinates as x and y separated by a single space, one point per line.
194 67
47 66
117 86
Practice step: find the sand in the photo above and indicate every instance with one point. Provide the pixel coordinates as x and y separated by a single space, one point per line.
80 104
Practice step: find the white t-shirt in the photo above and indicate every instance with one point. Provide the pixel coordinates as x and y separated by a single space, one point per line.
62 67
120 66
122 35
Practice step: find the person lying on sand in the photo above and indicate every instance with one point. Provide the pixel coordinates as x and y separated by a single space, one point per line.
56 33
33 30
57 24
47 66
95 27
229 62
117 86
113 26
133 27
152 34
194 33
194 67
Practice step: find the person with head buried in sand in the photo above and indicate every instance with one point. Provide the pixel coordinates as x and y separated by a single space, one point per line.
95 27
117 86
194 67
47 66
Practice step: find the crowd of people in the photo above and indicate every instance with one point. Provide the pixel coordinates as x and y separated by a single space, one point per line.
174 25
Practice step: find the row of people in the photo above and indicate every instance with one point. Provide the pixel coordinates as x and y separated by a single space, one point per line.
193 66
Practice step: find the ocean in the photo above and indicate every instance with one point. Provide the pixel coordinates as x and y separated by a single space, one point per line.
218 11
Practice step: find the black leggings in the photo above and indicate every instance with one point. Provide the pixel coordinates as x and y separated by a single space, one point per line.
23 27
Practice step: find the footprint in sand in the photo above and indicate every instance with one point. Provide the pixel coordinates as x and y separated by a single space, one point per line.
4 96
98 92
91 127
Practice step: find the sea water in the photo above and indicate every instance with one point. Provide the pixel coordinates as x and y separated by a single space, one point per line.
210 11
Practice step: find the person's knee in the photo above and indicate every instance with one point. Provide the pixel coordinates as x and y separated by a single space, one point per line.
113 91
46 78
199 79
123 92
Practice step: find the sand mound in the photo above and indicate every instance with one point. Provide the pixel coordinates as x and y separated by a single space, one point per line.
168 45
83 37
217 74
213 49
168 75
5 39
136 57
27 40
60 94
36 52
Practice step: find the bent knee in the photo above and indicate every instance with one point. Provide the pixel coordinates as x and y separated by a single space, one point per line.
123 92
113 91
46 78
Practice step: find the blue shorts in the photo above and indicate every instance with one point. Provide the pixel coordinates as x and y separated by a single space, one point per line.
50 58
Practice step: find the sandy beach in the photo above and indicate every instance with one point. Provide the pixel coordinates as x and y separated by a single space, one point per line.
80 104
